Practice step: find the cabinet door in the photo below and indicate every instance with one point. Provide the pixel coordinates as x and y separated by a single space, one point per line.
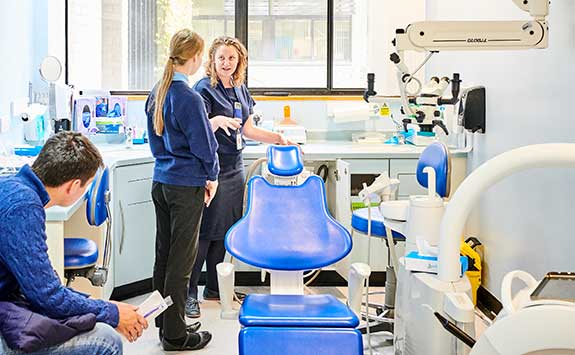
135 227
405 171
365 171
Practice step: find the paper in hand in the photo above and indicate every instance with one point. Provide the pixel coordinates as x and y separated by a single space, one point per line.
154 305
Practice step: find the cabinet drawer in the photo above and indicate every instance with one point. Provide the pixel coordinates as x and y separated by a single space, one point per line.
134 183
368 166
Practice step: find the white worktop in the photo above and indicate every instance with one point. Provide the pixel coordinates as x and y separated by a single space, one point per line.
120 155
117 155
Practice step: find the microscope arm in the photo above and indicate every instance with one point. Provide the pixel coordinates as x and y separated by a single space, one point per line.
435 36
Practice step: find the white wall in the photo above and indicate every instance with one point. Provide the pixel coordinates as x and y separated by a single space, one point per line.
17 53
525 221
386 17
29 30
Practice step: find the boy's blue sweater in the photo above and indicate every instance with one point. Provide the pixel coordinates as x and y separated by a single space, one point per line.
25 269
186 151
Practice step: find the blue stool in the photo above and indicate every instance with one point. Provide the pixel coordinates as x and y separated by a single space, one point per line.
288 229
81 254
436 156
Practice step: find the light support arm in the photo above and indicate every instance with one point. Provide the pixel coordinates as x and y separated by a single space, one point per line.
474 186
479 35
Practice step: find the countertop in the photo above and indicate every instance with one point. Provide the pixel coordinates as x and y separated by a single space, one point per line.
115 155
121 155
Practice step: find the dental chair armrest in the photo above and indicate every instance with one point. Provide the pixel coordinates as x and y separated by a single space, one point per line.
358 273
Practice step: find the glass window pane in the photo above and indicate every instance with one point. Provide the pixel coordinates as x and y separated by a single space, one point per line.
123 44
350 40
287 43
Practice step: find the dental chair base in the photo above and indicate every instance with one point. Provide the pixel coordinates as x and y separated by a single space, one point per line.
297 324
310 341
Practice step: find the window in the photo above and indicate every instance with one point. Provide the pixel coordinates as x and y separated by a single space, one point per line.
122 45
291 42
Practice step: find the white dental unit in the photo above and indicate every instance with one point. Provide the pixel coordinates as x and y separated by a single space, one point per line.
544 326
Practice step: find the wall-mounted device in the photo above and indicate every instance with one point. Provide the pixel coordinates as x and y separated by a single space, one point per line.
472 109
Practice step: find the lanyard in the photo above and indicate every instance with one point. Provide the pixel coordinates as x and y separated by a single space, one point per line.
238 97
239 141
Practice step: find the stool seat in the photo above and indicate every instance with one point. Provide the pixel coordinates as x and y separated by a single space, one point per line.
359 223
79 253
321 311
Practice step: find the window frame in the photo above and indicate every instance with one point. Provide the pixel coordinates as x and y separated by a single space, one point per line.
241 32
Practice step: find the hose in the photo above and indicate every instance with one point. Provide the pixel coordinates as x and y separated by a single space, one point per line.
323 169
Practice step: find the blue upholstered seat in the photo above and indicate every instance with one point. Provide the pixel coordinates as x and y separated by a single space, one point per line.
359 223
296 311
79 253
287 228
284 160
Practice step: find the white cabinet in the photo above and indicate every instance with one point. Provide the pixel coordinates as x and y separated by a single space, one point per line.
134 224
405 171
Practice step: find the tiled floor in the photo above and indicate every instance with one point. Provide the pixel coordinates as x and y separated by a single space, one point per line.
224 341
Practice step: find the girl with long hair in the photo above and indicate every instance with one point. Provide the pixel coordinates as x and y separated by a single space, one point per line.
185 179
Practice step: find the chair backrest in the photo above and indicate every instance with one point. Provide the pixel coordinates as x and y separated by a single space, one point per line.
97 198
287 228
437 156
284 160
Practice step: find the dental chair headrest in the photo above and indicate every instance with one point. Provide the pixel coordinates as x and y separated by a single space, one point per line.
437 156
284 160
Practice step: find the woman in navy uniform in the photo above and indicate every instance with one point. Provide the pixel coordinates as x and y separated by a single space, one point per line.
185 178
230 108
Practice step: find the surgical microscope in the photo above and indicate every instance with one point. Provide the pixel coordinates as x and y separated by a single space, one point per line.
422 104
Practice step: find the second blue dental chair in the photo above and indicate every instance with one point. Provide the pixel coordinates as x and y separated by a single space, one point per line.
286 230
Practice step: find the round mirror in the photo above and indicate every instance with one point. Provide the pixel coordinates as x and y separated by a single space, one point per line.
50 69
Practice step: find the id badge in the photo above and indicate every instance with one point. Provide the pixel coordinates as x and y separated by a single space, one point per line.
238 114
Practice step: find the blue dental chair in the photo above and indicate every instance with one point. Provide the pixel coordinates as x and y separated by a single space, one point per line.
370 222
287 230
81 254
